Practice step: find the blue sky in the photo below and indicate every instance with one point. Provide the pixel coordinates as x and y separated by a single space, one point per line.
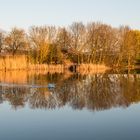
25 13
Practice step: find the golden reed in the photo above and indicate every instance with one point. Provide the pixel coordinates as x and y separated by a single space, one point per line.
20 62
9 62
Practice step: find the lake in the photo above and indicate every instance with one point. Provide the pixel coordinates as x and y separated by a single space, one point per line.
99 106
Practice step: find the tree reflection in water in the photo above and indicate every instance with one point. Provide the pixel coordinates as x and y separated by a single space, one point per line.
93 92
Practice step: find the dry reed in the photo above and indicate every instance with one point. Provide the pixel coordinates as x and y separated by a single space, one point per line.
8 62
19 62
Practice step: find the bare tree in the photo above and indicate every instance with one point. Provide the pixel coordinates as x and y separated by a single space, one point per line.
16 40
77 31
63 38
95 43
1 41
41 39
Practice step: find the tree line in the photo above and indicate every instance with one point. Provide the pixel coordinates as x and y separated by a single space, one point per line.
95 43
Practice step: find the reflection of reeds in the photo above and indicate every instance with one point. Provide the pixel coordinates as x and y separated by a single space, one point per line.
95 92
92 69
13 76
25 76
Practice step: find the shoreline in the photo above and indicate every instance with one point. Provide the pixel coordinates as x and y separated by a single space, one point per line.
58 67
62 67
21 62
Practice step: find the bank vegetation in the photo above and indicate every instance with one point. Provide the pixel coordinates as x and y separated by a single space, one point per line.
84 46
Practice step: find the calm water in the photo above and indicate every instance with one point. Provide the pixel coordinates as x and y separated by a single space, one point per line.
84 107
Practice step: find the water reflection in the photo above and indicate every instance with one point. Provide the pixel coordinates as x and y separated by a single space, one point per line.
94 92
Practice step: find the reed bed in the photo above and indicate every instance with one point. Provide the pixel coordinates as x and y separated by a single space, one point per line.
18 62
48 68
24 76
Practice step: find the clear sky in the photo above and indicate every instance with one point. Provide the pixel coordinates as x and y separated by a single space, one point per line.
25 13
